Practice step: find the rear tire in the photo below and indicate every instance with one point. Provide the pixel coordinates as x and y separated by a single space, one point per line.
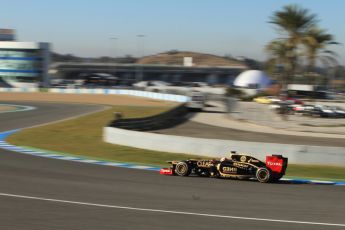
182 169
263 175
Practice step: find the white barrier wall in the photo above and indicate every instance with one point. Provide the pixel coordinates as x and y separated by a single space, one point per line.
153 95
19 90
137 93
297 154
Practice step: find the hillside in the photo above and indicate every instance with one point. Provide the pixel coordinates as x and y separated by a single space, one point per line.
199 59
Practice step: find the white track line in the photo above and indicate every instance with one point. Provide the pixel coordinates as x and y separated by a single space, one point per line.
167 211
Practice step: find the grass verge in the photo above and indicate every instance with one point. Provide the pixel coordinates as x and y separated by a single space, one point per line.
316 171
83 137
324 125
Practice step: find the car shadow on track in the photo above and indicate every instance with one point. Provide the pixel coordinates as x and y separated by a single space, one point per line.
283 181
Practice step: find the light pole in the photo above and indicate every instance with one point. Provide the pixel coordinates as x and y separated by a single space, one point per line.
113 41
140 44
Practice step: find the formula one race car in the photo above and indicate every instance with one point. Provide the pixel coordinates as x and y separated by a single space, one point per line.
238 166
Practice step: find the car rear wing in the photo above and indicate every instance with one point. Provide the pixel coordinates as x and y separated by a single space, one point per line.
277 164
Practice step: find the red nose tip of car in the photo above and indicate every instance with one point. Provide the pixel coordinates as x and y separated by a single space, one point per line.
166 171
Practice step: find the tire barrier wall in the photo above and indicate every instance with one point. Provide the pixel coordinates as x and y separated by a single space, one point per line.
137 93
297 154
164 120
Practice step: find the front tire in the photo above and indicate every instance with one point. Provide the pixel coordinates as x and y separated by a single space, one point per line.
263 175
183 169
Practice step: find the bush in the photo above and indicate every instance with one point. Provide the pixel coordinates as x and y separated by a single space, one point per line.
43 90
233 92
247 98
250 98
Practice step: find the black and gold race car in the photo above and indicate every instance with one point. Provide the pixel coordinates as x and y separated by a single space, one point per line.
238 166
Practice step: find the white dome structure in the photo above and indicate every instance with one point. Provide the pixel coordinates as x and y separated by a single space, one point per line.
252 79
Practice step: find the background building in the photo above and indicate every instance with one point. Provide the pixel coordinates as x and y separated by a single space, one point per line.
172 66
23 64
7 35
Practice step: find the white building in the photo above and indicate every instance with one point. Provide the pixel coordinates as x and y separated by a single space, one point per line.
252 79
24 64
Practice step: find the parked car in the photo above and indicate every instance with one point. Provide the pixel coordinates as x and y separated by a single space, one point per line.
282 107
147 84
293 101
266 100
322 111
302 109
339 112
196 101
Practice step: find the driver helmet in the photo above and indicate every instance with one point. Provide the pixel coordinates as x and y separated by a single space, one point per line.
232 153
223 159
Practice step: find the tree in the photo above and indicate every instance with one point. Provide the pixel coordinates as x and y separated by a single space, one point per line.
292 21
316 42
278 53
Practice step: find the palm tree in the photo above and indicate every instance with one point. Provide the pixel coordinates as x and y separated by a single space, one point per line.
278 53
316 41
293 22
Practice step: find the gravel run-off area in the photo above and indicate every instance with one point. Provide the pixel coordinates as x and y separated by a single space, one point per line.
85 98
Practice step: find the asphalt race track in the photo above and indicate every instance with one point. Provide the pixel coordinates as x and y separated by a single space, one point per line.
41 193
195 129
45 112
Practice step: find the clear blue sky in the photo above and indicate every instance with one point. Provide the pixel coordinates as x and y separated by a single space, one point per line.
84 27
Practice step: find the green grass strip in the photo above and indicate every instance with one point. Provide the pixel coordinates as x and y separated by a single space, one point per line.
316 172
